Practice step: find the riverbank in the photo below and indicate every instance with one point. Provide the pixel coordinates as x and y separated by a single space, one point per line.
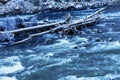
13 7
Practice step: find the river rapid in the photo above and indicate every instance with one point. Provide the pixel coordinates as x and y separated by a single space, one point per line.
90 54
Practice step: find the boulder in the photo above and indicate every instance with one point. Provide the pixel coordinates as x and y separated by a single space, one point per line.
4 1
17 7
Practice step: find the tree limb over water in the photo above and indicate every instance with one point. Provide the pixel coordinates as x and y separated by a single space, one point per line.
81 22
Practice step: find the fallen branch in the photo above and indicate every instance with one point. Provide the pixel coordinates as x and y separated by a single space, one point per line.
54 29
31 23
97 12
33 28
90 16
51 24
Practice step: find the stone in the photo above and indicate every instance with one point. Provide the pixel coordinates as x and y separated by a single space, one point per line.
4 1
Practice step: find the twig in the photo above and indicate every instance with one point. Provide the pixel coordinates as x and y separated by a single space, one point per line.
90 16
97 12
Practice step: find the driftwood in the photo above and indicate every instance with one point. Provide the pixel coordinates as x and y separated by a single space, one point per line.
54 29
33 28
81 22
38 23
31 23
63 24
51 24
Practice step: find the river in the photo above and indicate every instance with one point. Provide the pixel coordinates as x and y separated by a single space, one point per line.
90 54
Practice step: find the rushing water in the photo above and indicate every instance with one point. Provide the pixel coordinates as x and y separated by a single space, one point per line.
91 54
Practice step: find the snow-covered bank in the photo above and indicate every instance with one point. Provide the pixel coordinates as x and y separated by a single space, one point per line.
30 7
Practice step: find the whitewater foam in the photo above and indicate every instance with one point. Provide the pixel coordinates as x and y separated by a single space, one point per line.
105 46
10 65
106 77
8 78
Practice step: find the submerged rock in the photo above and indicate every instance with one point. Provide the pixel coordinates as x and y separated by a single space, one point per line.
3 26
4 1
97 39
7 37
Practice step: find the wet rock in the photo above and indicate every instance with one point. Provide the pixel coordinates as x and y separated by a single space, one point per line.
8 22
75 47
34 20
19 22
11 23
95 30
110 39
35 2
97 39
3 26
98 4
113 24
4 1
99 31
81 42
49 41
68 31
6 37
82 32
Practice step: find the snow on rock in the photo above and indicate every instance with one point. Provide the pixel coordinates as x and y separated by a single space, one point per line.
17 6
33 6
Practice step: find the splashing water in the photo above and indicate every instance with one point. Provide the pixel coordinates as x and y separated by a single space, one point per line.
93 54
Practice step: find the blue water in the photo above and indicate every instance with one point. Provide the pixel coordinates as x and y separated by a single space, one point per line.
91 54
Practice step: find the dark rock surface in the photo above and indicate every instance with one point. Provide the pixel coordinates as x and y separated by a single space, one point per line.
4 1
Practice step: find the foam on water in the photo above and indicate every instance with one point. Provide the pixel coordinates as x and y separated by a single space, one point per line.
29 51
105 46
64 61
11 69
49 58
106 77
8 78
78 43
115 14
61 46
115 57
76 78
10 65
